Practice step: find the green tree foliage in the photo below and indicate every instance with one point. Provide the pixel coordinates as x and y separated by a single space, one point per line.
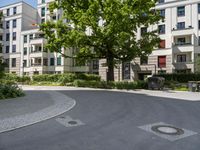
103 29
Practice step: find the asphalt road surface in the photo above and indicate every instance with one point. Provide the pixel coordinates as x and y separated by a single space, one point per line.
109 121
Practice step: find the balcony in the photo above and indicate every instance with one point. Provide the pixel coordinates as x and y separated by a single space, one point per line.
182 47
183 65
182 31
37 40
35 54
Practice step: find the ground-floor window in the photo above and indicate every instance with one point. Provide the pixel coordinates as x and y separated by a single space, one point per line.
126 71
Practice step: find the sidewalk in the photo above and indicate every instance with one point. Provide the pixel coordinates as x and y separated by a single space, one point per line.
182 95
35 107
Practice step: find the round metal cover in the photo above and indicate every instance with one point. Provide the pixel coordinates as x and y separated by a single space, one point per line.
166 129
72 122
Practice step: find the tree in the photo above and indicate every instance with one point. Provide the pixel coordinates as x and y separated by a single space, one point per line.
103 29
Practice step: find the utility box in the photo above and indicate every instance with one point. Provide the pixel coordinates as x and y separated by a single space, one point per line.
156 83
192 86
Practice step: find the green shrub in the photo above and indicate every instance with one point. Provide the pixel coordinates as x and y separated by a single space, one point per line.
10 91
65 78
181 78
15 78
110 85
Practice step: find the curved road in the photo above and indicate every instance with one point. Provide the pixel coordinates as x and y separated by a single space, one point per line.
110 121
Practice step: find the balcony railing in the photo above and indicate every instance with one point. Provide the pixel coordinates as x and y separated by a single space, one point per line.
37 51
182 44
186 28
36 65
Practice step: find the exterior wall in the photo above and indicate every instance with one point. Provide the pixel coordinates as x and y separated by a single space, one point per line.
172 49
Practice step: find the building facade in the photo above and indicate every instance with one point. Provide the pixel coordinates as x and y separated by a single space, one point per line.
179 47
23 44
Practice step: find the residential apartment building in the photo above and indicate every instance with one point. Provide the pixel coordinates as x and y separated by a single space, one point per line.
1 34
24 44
16 18
179 47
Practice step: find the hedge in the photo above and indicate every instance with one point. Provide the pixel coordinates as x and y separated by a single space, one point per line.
181 78
15 78
65 78
110 85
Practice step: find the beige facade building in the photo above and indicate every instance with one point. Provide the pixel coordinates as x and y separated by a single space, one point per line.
179 46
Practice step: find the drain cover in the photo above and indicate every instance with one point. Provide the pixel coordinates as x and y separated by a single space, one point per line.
166 129
72 122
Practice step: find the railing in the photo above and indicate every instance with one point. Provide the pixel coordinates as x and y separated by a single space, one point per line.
186 28
182 44
36 65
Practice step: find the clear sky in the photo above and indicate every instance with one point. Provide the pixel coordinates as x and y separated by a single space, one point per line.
6 2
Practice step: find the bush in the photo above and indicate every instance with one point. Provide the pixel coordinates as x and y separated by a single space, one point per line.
65 78
181 78
110 85
15 78
10 90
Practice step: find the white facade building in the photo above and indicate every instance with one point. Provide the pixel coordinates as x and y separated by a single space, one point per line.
179 46
16 18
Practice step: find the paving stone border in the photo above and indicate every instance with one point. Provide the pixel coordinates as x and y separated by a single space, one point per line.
62 105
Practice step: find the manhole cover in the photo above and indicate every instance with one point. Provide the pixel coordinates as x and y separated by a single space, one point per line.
166 129
72 122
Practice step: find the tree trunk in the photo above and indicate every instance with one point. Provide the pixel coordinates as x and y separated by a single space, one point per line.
110 71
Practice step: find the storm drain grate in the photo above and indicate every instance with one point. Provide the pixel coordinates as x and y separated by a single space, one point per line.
67 121
167 131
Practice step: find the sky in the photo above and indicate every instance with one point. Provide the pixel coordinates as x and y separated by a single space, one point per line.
7 2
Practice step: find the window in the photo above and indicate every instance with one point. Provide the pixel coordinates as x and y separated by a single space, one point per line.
181 11
126 71
45 62
51 61
181 25
95 64
199 8
14 10
42 20
181 41
199 24
14 36
162 12
161 1
7 36
25 50
25 63
161 61
144 60
161 29
14 23
199 40
7 62
13 62
8 12
43 11
59 61
162 44
25 38
14 48
43 1
7 49
143 30
7 24
31 36
181 58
